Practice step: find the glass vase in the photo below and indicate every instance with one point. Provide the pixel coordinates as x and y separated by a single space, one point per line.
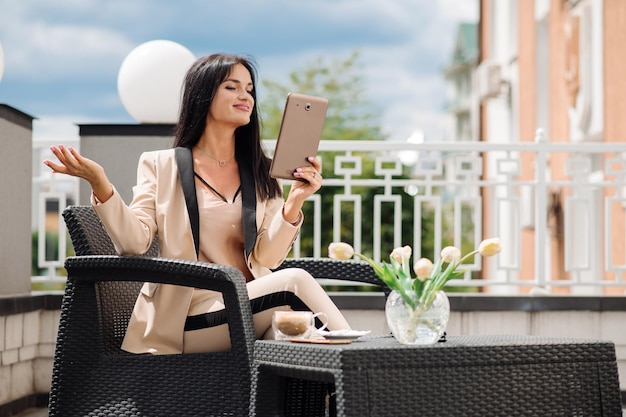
422 325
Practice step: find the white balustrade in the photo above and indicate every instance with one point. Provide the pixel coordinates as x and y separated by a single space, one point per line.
532 195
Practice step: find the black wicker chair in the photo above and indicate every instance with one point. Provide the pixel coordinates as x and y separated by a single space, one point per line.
92 376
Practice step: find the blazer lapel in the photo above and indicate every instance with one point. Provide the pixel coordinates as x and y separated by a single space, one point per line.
184 162
248 197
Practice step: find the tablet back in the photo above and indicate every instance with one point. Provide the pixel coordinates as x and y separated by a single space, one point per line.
299 135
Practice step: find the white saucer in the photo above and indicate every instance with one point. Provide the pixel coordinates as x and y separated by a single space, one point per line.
343 334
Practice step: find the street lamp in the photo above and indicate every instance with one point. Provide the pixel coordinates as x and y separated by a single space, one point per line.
150 81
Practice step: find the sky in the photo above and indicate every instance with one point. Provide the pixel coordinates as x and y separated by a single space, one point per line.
62 58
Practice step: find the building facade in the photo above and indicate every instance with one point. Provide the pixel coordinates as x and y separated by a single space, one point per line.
461 92
558 66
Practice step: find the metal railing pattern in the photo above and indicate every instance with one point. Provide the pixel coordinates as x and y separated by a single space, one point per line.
52 193
530 194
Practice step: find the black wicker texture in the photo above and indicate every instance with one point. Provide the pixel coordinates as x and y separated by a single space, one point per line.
88 234
115 299
466 376
356 271
311 398
92 376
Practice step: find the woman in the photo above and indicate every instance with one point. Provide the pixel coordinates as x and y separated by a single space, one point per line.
210 198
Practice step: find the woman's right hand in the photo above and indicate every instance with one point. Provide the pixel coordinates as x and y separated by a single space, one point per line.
74 164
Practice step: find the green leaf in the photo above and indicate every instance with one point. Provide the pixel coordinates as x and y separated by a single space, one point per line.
406 268
396 267
458 273
389 277
378 269
418 286
436 269
441 280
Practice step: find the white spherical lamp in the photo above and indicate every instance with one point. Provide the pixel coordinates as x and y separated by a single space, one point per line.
1 62
150 80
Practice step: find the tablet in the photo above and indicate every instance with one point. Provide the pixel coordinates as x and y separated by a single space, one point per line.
299 135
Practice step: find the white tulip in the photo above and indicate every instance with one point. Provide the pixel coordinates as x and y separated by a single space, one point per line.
489 247
340 250
450 254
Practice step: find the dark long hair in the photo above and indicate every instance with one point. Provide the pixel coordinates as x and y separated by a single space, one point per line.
201 84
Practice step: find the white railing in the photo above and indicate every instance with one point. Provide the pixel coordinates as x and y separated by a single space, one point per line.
559 208
51 194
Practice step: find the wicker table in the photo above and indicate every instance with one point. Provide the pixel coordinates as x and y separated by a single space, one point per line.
465 376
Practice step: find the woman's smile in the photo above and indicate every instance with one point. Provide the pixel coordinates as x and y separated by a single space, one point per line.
243 106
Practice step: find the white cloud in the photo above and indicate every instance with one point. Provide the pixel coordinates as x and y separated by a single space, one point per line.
455 10
62 51
404 46
401 122
392 14
60 40
54 128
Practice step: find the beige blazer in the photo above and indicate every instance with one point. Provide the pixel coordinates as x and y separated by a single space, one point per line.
158 319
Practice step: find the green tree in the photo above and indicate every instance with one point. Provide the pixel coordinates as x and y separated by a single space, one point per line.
349 115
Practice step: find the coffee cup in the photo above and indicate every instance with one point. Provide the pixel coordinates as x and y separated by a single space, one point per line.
296 324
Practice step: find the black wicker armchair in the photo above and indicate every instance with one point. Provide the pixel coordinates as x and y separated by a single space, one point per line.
92 376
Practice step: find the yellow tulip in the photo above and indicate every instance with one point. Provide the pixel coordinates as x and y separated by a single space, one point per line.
489 247
340 250
423 268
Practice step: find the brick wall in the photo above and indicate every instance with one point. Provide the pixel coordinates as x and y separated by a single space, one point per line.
27 339
28 330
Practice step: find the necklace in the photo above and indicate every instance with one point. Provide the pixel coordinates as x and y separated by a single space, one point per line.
222 162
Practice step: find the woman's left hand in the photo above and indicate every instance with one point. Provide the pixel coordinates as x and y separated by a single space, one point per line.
308 181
